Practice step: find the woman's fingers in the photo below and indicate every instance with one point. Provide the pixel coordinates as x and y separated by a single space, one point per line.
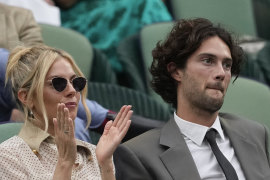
66 123
63 122
122 115
123 132
60 116
125 119
118 115
107 127
56 128
71 128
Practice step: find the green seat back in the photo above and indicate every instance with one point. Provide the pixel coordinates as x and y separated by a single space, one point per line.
149 36
250 99
72 42
262 15
237 15
114 97
133 75
8 130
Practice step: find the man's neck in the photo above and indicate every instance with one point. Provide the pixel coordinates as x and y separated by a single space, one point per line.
197 116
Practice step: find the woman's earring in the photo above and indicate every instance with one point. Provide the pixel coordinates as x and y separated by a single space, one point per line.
31 115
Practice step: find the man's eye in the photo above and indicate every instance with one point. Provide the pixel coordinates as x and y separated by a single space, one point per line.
207 60
227 65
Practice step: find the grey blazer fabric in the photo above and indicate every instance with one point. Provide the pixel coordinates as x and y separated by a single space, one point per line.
162 154
18 27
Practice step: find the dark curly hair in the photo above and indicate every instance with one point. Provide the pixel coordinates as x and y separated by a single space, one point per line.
183 40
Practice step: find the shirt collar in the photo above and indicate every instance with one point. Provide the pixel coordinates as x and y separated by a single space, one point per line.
196 132
34 136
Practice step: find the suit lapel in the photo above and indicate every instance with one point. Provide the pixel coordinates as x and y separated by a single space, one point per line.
177 158
244 149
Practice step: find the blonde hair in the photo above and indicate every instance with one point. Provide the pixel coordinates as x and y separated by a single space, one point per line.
27 68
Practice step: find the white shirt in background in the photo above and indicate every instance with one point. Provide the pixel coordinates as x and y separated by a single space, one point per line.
42 11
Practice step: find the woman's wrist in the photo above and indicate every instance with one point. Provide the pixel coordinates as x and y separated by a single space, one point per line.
65 164
106 167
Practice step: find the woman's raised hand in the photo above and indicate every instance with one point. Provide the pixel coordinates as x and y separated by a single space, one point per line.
65 142
112 136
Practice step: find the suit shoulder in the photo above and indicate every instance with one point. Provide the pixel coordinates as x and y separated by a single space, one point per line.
146 139
13 10
239 119
241 123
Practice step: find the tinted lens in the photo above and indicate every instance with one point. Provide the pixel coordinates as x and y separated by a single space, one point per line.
79 83
59 83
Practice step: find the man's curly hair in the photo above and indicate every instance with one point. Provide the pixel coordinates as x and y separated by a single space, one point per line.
183 40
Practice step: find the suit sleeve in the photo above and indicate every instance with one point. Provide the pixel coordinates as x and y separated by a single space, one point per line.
267 143
128 165
29 32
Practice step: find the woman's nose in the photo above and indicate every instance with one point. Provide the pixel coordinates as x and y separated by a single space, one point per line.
70 90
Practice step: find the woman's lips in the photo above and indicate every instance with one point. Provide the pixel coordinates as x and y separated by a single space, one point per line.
71 105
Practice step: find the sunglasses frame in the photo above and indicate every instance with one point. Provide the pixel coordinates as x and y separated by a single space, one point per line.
78 86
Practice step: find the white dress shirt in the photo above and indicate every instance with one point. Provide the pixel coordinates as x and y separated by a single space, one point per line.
201 151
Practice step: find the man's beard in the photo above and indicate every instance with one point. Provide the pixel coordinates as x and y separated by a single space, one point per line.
200 99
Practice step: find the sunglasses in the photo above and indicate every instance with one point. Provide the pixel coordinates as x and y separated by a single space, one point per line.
59 83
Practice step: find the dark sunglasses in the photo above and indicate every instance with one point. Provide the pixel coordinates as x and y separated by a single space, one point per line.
60 83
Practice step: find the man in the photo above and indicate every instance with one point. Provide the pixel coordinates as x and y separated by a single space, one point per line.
192 69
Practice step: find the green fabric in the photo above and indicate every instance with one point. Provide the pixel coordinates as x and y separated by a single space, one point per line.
133 75
102 70
264 62
261 10
114 97
106 22
251 69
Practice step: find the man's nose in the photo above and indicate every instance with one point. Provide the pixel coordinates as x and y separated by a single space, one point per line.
219 72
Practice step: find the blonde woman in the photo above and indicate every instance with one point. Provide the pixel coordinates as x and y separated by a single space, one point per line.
48 85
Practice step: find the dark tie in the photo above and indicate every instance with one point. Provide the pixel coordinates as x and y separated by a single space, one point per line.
222 160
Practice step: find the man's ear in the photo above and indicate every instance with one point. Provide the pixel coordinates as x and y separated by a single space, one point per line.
175 72
22 96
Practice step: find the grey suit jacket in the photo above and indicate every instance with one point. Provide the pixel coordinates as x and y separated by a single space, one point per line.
162 154
18 27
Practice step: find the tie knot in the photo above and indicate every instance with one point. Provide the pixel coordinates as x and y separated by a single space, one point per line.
211 135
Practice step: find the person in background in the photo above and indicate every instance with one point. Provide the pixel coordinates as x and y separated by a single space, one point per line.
49 95
192 69
44 11
18 27
106 22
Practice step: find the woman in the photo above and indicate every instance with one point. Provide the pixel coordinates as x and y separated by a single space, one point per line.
47 84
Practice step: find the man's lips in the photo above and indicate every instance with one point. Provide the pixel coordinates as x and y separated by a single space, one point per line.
216 87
